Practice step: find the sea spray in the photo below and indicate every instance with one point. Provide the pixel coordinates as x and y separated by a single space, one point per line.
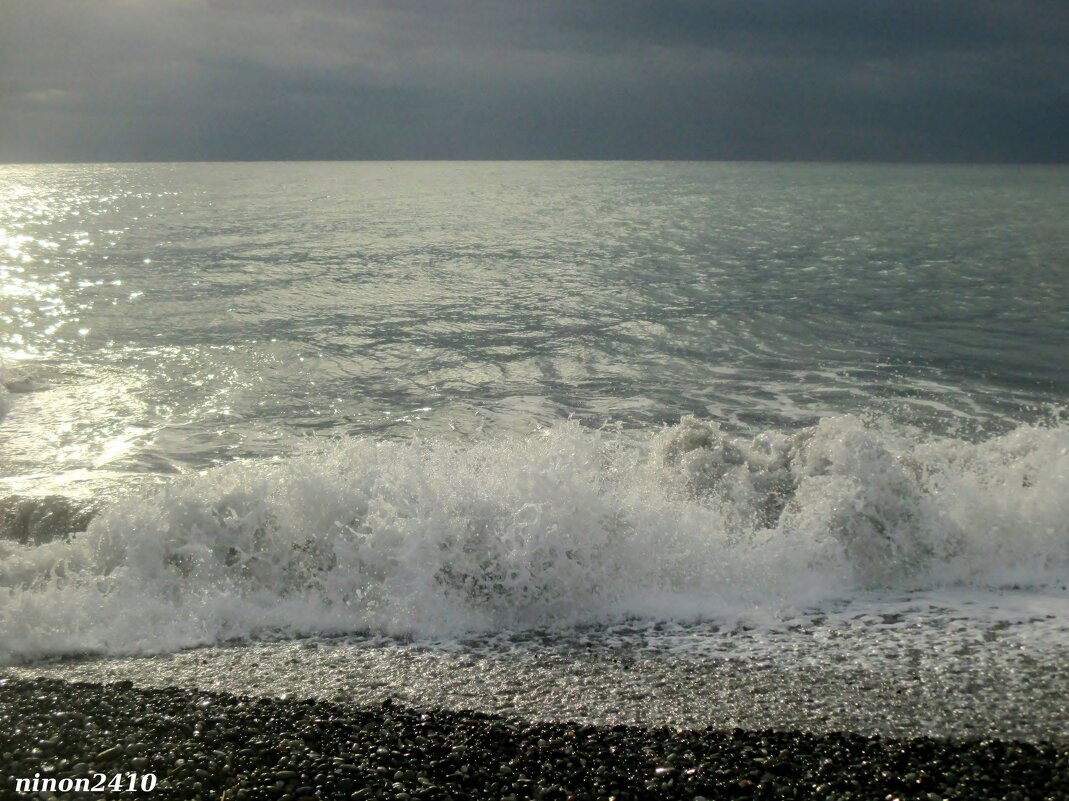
569 526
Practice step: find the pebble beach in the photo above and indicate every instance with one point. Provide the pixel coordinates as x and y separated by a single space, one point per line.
203 745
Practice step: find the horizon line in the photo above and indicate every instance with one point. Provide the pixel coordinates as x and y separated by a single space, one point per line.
652 160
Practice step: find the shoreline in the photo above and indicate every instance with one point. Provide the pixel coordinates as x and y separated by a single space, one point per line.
919 667
203 744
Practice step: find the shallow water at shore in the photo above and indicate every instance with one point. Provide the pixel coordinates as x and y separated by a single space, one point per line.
916 668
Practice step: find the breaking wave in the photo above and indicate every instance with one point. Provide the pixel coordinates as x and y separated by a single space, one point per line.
565 527
38 520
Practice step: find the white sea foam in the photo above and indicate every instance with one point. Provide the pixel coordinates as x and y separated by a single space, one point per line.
566 527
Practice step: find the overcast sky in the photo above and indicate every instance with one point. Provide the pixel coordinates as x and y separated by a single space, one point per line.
128 80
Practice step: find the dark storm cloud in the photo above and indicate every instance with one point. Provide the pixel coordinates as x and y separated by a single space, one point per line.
807 79
839 27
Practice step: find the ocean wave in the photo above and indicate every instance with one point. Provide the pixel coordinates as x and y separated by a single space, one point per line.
38 520
16 380
565 527
5 395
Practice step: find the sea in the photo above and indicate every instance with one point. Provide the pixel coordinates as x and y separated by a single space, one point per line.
685 444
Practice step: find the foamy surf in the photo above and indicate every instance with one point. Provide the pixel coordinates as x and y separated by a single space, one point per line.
567 527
